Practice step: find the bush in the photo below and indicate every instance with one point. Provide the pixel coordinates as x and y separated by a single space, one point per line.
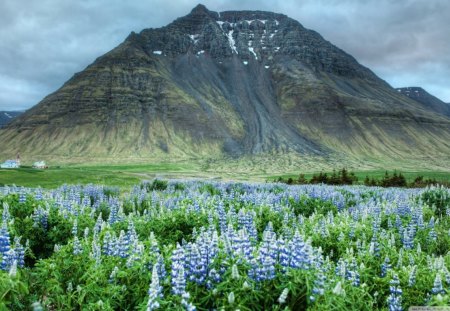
438 198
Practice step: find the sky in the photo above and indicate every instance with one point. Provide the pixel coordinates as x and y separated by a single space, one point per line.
44 42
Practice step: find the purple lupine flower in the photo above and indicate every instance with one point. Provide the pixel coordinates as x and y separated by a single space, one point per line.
196 265
184 302
437 285
385 266
38 195
178 272
96 252
22 196
6 215
108 248
75 228
178 279
299 255
77 248
213 278
20 252
8 259
4 239
319 286
375 245
394 299
123 245
112 276
283 254
98 224
408 239
432 236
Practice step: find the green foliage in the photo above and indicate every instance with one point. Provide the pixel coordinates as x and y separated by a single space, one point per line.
13 292
306 206
156 184
438 198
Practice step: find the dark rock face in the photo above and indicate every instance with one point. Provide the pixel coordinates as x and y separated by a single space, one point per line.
231 83
426 99
7 116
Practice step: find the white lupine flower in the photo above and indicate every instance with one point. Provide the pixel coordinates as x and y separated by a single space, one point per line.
231 298
283 296
13 269
338 289
235 272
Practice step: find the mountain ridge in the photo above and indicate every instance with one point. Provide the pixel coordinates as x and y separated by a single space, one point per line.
426 99
234 84
8 116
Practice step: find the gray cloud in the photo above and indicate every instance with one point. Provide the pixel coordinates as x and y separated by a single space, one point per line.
43 43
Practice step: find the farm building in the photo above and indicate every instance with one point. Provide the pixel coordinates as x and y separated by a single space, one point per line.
10 164
40 164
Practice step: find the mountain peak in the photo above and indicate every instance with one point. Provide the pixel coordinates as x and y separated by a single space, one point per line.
199 9
234 83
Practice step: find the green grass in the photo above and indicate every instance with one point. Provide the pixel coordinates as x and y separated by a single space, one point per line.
127 175
54 177
113 175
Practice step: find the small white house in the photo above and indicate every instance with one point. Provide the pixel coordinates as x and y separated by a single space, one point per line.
10 164
40 164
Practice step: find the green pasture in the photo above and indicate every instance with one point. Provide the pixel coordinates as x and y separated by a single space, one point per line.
119 175
127 175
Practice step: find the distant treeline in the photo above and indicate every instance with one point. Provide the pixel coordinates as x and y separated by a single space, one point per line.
344 177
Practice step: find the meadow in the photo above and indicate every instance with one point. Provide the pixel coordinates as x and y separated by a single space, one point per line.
205 245
126 176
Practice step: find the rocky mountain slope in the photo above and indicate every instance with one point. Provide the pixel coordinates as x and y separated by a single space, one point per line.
427 100
229 85
8 116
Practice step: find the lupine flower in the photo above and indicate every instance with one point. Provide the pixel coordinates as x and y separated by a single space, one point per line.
113 274
447 276
395 297
213 277
412 277
13 269
155 291
432 235
231 298
184 302
4 239
235 272
77 249
5 215
178 273
437 285
37 306
283 296
338 289
319 286
75 228
20 252
385 267
124 244
22 197
8 260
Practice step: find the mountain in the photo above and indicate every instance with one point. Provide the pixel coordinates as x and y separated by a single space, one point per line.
427 100
231 85
8 116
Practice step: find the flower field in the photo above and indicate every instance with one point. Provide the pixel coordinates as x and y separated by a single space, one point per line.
198 245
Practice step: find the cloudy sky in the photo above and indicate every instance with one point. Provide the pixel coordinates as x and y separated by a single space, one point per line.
44 42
